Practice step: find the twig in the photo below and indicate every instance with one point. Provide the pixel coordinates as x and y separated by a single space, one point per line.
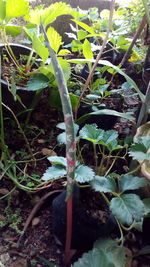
34 211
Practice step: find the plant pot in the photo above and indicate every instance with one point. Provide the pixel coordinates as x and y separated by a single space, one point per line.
86 229
25 96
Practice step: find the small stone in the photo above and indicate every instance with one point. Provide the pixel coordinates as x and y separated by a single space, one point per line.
35 221
41 141
4 258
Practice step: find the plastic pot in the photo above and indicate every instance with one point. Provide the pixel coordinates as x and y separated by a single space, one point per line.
86 229
25 96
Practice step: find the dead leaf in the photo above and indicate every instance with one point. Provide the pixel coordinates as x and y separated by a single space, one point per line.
48 152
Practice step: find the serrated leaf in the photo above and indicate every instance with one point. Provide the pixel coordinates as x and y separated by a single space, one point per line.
129 182
16 8
94 258
103 184
91 133
87 51
127 208
54 172
63 52
37 81
55 39
58 160
84 174
112 249
61 138
39 47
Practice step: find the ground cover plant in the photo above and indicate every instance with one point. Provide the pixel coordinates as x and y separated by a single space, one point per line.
83 124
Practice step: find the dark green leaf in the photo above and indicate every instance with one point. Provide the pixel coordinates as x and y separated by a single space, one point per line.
103 184
37 82
127 208
94 258
146 202
91 133
140 149
129 182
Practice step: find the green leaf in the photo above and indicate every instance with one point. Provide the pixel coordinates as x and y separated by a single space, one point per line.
83 174
54 172
16 8
111 247
127 208
129 182
55 39
87 51
105 112
91 133
81 34
64 52
103 184
13 30
39 48
107 63
2 10
84 26
65 67
139 150
37 81
74 101
58 160
94 258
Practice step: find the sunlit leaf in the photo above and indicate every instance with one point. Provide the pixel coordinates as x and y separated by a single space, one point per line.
2 10
84 26
16 8
55 39
39 47
87 52
13 30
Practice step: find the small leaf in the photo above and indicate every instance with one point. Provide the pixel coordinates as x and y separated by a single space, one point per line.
13 30
91 133
83 174
39 47
61 138
63 52
84 26
37 81
139 150
55 39
87 51
127 208
129 182
103 184
54 172
58 160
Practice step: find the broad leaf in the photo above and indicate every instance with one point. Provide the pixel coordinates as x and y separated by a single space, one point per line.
37 81
16 8
58 160
65 67
103 184
91 133
87 51
129 182
54 172
39 47
112 249
55 39
83 174
94 258
127 208
61 138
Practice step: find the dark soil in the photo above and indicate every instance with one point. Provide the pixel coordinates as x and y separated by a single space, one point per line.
39 243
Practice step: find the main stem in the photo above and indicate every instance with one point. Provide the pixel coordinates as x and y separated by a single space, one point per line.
70 142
